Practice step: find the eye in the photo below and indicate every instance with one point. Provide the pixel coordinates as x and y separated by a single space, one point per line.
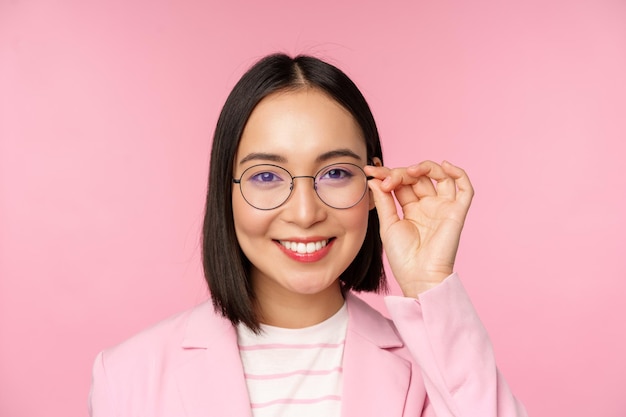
336 173
265 176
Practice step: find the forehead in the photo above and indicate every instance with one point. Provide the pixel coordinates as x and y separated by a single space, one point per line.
299 126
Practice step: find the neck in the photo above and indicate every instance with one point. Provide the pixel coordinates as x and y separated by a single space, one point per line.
294 311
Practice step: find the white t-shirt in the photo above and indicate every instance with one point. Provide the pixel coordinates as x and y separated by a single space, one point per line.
295 372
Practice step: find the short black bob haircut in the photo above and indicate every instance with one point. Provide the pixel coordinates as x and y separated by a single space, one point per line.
226 268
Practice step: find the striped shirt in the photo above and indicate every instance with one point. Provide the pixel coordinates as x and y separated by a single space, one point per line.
295 372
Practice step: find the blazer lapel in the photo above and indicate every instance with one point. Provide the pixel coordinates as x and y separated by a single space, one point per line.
375 380
211 381
210 378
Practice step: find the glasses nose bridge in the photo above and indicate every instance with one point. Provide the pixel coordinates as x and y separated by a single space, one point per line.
303 176
292 187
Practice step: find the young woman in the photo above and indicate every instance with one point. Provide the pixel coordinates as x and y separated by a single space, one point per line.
299 208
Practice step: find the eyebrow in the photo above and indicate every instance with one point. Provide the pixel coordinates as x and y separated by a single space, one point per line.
336 153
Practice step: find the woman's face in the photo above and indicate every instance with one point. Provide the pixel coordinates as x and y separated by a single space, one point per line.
301 131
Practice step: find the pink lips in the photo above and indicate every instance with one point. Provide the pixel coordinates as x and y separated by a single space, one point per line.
307 257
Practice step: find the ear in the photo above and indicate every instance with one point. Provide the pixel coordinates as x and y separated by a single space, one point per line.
377 163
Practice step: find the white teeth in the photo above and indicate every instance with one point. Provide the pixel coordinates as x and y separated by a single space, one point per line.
302 247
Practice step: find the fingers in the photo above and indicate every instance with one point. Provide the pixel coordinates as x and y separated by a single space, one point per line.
465 190
385 205
406 187
423 180
446 186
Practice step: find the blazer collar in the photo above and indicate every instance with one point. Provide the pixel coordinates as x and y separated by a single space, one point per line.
375 378
376 371
370 324
210 378
205 327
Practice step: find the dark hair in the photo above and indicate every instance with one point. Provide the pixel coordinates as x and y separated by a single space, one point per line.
226 268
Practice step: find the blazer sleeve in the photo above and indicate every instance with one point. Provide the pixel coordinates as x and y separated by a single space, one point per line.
452 348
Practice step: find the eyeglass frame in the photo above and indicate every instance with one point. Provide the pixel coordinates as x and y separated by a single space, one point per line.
291 185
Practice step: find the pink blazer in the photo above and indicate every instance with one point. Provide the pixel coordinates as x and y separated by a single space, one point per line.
433 358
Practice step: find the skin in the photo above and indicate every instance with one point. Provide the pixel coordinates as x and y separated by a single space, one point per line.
421 245
299 131
295 130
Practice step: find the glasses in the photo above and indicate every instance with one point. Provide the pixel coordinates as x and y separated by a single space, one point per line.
267 186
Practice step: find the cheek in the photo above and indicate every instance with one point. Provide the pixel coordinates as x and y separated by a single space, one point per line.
355 220
249 222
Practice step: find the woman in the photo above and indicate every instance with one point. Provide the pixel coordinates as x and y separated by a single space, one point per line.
299 208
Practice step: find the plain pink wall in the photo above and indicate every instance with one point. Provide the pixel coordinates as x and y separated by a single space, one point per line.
107 113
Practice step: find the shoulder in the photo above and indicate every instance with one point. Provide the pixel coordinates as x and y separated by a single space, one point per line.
165 339
371 324
145 370
359 308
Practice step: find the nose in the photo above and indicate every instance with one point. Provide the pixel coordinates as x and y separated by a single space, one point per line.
304 207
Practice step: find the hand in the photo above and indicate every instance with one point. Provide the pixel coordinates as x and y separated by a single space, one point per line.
421 245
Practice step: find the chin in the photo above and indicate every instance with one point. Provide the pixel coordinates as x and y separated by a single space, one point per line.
306 286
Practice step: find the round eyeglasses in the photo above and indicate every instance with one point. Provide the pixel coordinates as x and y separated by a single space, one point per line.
267 186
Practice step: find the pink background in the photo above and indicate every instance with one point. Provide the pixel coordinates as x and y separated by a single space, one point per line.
107 110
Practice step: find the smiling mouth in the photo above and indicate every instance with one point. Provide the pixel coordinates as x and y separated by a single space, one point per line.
304 248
